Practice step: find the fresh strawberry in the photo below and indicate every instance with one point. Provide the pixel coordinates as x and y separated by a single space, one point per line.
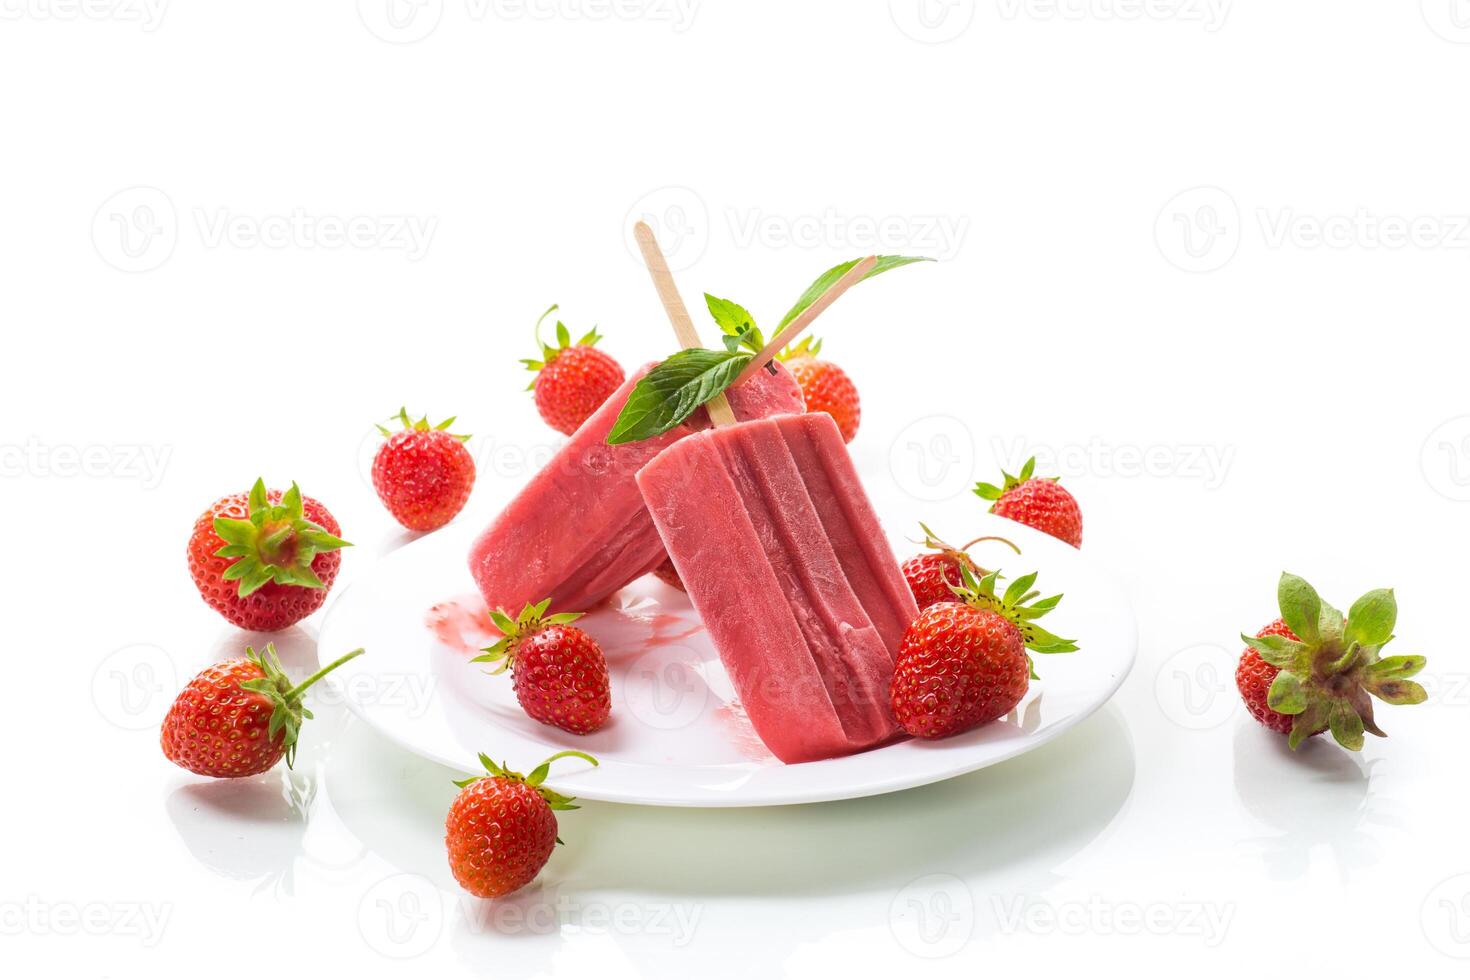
559 672
1315 670
423 474
826 386
935 575
1253 677
1035 502
501 828
572 380
238 718
281 549
669 575
964 663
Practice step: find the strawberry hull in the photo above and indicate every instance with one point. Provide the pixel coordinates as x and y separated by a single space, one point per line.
784 558
579 531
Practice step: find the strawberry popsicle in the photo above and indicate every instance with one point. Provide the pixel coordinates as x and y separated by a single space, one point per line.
783 557
579 530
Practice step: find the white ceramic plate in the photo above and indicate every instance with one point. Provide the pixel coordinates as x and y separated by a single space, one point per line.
675 738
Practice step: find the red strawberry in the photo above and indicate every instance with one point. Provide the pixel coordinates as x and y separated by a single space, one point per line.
572 380
669 575
826 386
935 575
559 672
423 474
239 717
1315 670
1035 502
1253 676
280 548
501 828
964 663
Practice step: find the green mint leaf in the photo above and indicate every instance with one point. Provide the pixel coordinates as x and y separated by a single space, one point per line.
735 320
673 391
826 279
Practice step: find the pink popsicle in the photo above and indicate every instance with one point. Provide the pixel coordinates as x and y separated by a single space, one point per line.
783 557
579 531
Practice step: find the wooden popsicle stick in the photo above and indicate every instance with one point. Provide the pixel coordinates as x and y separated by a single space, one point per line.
718 407
788 333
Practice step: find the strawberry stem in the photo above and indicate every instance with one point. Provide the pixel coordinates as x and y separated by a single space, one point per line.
992 537
300 689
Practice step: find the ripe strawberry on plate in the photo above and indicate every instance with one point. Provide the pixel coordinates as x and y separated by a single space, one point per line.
964 663
501 828
572 380
239 717
423 473
826 386
1315 670
559 672
265 560
1036 502
934 576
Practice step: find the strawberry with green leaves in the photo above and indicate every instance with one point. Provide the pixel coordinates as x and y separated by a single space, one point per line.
826 387
501 828
265 560
962 664
559 672
934 576
240 717
572 380
423 473
1316 670
1037 502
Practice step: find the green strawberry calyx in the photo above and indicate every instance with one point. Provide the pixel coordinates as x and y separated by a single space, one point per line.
538 775
275 544
421 425
805 347
532 619
1019 605
961 555
991 492
1330 675
549 354
288 711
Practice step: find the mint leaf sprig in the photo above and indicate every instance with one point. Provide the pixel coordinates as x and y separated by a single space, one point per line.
676 388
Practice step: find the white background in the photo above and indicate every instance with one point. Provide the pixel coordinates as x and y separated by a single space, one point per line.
1208 259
